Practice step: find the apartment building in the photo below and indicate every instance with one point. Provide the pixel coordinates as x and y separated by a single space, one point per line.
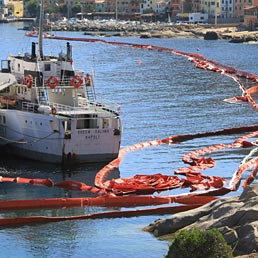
12 8
124 9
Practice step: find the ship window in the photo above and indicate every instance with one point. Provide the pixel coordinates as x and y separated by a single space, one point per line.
87 122
105 123
83 123
4 119
47 67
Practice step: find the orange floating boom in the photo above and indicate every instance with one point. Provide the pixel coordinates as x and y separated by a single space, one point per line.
12 222
101 201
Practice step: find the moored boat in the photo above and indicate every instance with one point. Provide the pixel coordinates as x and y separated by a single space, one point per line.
49 110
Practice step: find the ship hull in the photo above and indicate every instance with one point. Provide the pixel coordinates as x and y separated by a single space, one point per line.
43 138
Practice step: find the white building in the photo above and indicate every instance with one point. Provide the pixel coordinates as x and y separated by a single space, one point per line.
198 17
154 6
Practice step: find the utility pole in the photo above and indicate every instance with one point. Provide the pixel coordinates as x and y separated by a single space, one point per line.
116 10
68 10
216 13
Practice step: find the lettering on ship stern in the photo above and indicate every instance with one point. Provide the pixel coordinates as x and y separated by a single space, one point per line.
93 134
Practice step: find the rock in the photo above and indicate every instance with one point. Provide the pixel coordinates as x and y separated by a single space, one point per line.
211 35
237 40
145 35
249 236
244 38
235 217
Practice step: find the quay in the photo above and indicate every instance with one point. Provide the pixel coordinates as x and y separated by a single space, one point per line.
7 20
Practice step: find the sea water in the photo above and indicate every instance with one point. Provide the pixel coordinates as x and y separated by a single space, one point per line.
160 94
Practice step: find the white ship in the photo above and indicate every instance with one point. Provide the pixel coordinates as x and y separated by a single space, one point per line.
49 111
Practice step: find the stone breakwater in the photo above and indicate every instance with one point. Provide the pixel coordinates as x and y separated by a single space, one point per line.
157 30
235 217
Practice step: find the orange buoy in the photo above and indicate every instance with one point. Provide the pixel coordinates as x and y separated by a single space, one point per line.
29 81
52 82
76 81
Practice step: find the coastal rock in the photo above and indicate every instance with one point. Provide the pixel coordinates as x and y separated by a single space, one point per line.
145 35
109 28
235 217
244 39
211 35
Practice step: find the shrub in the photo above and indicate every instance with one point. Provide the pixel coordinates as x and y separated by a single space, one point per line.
199 244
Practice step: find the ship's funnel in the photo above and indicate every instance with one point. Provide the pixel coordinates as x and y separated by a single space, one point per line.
68 51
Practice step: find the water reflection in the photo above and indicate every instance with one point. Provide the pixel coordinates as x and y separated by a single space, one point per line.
15 167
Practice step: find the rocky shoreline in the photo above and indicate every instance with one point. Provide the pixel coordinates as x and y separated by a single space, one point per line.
182 31
235 217
232 32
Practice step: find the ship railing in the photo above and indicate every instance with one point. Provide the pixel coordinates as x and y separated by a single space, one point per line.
100 103
57 108
30 107
96 107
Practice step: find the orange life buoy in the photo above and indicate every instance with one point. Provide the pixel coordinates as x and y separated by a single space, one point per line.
53 111
29 81
52 82
76 81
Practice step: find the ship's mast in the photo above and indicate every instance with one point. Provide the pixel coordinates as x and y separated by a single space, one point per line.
41 19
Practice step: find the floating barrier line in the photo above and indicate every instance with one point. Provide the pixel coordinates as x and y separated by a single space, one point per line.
135 191
104 201
20 221
148 184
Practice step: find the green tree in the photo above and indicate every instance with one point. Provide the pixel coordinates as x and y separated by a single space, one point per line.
76 9
32 6
63 9
199 244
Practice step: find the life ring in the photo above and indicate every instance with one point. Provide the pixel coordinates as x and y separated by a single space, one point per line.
52 82
76 81
53 111
29 81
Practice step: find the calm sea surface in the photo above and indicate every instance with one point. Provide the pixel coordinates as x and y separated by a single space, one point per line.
160 95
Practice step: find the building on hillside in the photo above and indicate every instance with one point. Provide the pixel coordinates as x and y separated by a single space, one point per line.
134 9
160 7
240 6
117 8
196 6
100 6
153 6
15 8
179 9
198 18
251 17
173 8
3 9
227 8
211 7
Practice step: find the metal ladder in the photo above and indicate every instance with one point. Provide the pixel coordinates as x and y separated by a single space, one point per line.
90 93
42 93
